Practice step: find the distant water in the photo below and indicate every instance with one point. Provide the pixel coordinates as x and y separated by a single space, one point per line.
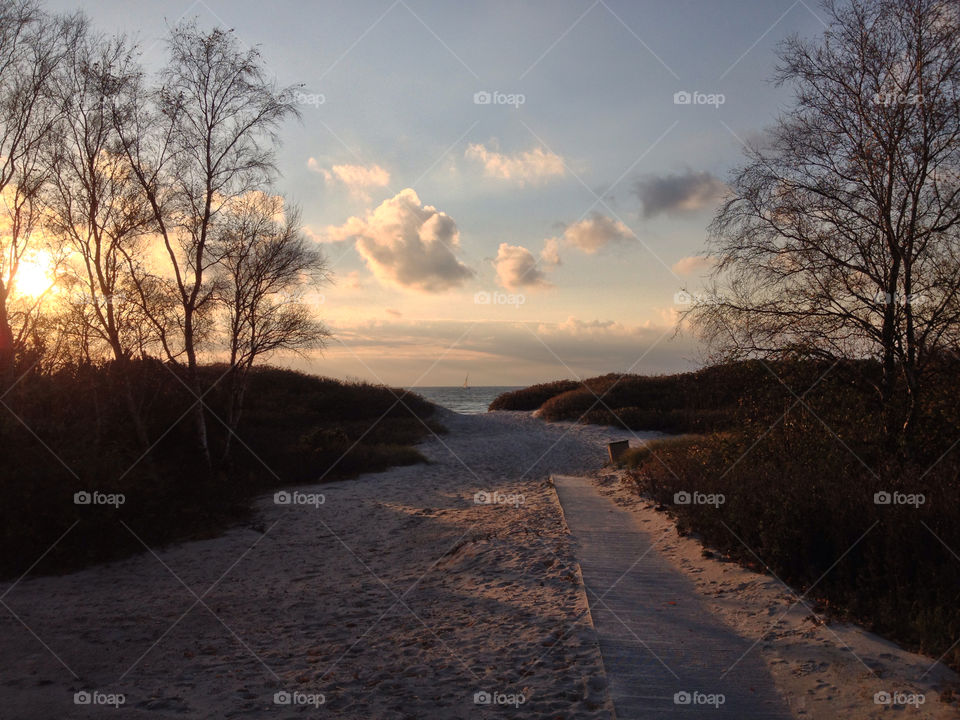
469 401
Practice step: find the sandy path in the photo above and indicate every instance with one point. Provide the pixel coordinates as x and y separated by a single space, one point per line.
398 597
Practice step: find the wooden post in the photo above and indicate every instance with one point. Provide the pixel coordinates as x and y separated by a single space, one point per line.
617 449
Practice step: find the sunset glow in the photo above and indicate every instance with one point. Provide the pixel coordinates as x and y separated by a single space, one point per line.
35 276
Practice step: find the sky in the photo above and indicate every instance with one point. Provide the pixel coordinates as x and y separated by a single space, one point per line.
517 191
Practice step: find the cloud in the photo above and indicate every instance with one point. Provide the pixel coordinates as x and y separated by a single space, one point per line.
394 313
550 255
529 166
358 179
407 244
577 328
320 237
352 281
517 267
596 232
678 193
694 265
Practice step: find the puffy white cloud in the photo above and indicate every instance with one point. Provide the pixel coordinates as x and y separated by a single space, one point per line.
523 167
407 244
517 267
677 193
596 232
358 179
694 265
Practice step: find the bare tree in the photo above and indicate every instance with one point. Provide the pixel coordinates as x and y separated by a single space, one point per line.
31 48
265 267
841 237
208 139
94 201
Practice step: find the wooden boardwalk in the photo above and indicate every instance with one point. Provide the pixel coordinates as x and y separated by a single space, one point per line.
665 654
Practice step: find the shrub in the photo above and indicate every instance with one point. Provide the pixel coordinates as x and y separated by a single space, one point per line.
532 397
803 504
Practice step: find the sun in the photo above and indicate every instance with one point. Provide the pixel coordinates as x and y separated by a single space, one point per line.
34 276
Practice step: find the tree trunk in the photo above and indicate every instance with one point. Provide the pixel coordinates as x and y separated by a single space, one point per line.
6 343
193 382
124 367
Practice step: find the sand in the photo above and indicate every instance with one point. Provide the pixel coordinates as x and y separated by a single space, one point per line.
400 596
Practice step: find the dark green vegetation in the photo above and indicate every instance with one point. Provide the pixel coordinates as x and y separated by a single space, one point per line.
68 431
797 450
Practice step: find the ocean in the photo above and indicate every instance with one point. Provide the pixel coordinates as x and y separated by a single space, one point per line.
469 400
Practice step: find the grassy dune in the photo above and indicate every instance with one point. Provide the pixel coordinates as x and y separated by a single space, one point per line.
295 429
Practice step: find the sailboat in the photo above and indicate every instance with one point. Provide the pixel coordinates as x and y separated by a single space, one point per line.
466 381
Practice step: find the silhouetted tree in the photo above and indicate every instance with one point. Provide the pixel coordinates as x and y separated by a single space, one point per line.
31 48
841 237
208 138
94 202
266 265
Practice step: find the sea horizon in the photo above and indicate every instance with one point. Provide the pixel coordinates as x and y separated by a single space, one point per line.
470 400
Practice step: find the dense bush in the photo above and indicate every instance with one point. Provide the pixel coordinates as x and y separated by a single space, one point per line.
70 431
715 398
532 397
